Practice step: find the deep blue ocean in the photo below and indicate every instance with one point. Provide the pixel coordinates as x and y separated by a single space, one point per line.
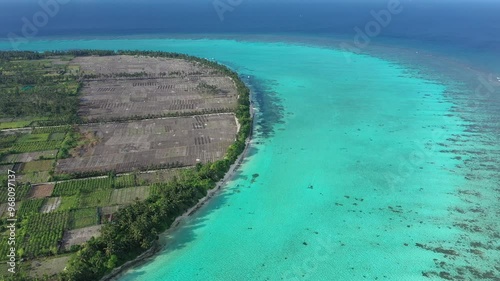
468 29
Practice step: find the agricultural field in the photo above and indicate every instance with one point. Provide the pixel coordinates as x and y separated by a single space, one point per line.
29 207
36 166
82 186
128 195
81 218
22 191
36 89
45 232
79 236
138 145
161 87
30 156
51 204
41 191
33 152
48 266
157 176
89 135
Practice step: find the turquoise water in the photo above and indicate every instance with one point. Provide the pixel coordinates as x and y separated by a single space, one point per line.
360 170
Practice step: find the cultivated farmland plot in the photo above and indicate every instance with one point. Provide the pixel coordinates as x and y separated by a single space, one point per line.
141 120
129 195
80 236
51 204
167 86
30 156
135 145
41 191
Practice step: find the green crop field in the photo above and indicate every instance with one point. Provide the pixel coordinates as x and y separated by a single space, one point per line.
37 166
74 187
69 203
57 136
33 138
14 124
80 218
129 195
35 146
22 191
29 207
45 230
98 198
69 188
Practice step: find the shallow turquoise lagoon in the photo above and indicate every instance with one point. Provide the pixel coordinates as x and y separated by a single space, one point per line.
356 172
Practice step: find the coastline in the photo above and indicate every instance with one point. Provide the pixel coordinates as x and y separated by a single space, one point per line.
161 243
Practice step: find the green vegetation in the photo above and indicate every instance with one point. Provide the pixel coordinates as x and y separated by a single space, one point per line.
22 191
37 166
98 198
69 141
69 203
45 232
45 93
29 207
69 188
135 228
34 86
209 89
34 146
83 217
128 195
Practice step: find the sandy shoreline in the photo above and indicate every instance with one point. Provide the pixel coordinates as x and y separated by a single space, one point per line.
161 243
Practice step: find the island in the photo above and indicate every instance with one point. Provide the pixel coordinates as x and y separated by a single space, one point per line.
101 151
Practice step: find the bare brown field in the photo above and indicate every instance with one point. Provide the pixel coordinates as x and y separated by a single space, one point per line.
129 146
80 236
41 191
170 86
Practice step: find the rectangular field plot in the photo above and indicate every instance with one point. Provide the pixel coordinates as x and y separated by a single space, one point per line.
81 218
34 177
158 176
134 64
124 147
80 236
51 204
108 99
129 195
30 156
97 198
37 166
119 87
41 191
46 230
31 206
